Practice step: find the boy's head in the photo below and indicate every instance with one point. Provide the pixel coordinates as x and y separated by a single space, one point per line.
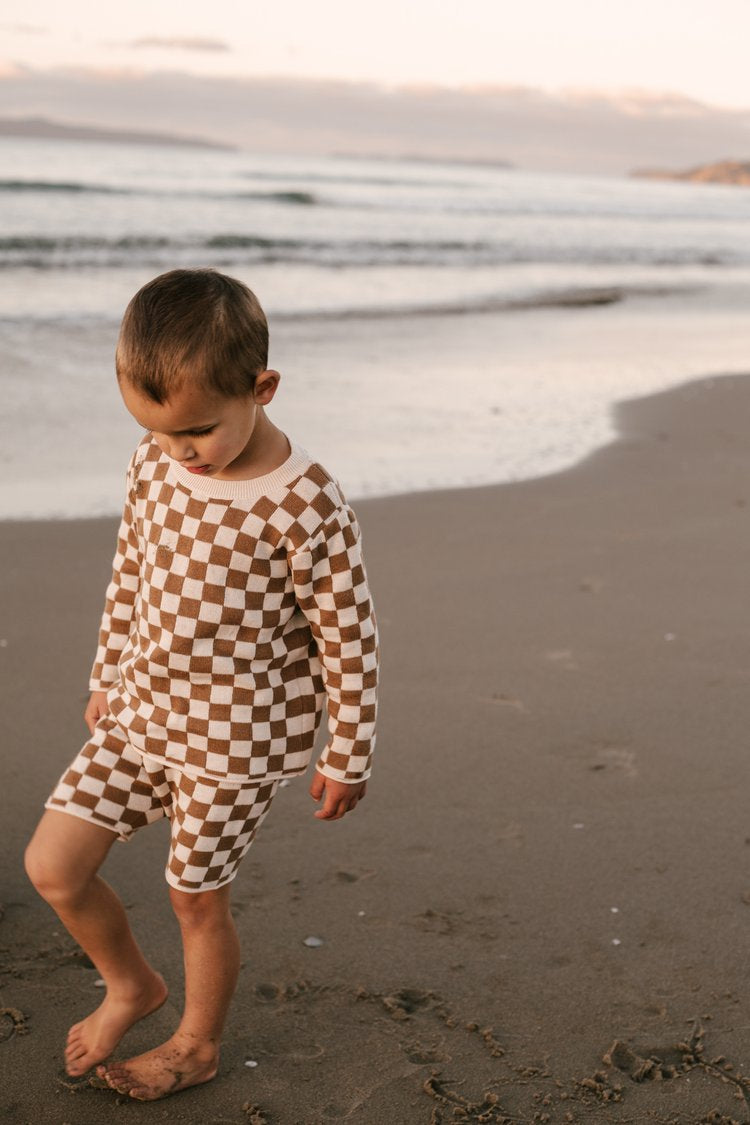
196 327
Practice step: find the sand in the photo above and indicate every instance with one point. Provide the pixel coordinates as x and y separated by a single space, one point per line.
541 911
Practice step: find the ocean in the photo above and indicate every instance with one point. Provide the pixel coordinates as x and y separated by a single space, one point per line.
436 325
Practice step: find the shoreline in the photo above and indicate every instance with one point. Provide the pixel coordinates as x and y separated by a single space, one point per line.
387 407
618 410
553 854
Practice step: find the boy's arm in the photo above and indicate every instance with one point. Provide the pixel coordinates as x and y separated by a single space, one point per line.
331 590
120 597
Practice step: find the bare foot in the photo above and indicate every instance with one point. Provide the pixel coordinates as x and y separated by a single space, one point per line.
95 1038
174 1066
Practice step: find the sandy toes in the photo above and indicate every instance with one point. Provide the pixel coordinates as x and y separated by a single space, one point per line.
95 1038
165 1070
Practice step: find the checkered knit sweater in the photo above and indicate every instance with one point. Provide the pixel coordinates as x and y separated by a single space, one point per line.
236 610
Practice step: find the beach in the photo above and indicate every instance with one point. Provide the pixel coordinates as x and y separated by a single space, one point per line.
540 912
406 301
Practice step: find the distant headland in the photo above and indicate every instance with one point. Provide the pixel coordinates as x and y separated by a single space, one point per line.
735 172
44 128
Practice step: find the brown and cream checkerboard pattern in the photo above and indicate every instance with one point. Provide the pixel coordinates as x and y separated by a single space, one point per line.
235 610
212 824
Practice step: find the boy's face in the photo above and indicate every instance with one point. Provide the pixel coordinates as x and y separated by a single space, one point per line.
207 433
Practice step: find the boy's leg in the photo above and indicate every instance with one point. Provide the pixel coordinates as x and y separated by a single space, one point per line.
212 828
62 861
212 958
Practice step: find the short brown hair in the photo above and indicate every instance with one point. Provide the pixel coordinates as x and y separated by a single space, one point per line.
192 325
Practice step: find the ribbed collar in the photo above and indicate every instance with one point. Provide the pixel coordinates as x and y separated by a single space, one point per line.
296 463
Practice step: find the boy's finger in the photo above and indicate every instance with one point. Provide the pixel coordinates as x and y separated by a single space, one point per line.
328 810
333 809
345 805
317 786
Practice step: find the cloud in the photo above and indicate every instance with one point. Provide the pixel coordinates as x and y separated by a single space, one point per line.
583 131
179 44
642 103
24 28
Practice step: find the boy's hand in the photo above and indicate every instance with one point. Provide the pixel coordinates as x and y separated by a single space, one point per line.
340 796
96 707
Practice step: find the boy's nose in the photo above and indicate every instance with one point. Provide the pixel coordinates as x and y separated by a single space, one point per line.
178 448
181 450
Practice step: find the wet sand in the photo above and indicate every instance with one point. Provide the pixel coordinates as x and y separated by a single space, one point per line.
542 910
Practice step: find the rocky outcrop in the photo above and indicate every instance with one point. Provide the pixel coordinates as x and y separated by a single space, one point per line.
722 172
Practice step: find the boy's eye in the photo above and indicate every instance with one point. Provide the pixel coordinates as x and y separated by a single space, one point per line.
199 433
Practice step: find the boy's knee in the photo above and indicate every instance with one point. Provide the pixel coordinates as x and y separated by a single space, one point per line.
53 877
63 856
33 863
45 872
201 907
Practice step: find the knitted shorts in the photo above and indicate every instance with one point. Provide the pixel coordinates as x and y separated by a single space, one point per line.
213 823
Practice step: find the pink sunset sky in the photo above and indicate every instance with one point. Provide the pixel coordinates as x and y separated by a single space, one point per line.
574 86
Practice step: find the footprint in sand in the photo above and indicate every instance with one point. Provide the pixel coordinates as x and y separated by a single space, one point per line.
305 1053
354 876
422 1054
267 993
406 1001
510 701
437 921
302 1052
616 759
672 1062
12 1022
512 834
334 1111
457 1036
254 1114
563 658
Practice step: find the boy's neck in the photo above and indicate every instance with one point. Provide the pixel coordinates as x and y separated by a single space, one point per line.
266 451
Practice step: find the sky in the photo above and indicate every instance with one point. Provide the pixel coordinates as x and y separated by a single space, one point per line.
697 48
581 84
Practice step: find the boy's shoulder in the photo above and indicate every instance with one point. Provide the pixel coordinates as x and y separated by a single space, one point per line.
311 500
301 499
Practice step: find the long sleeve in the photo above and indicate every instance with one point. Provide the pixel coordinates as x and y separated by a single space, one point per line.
331 590
120 597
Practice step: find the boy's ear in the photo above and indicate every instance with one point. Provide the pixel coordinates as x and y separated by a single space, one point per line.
265 387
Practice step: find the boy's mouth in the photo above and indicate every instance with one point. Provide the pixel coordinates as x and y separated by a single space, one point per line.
197 468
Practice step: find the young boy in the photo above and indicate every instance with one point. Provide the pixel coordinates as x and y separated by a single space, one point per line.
238 605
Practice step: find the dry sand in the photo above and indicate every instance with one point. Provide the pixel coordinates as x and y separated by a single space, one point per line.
554 855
